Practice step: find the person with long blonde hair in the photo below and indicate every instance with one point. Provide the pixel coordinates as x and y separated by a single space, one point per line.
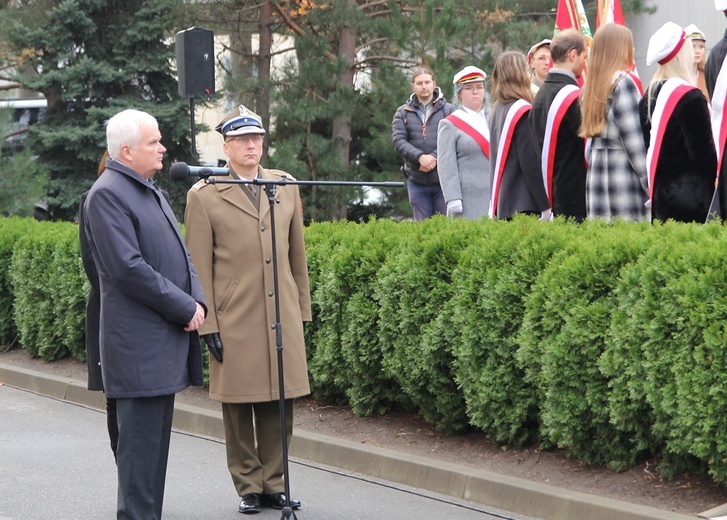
517 182
681 158
616 181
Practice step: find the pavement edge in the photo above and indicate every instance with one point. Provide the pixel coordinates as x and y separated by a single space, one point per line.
499 491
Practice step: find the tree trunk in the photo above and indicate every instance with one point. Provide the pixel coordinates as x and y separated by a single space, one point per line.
262 92
341 123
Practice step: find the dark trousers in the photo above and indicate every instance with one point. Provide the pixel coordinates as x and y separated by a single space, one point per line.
145 427
426 201
112 425
254 447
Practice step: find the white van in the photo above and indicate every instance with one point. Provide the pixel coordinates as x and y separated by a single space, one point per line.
25 112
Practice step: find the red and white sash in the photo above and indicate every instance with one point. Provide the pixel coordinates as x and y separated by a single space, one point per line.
719 121
474 126
671 92
518 109
561 103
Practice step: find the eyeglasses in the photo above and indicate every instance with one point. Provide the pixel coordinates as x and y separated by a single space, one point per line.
255 138
542 58
473 88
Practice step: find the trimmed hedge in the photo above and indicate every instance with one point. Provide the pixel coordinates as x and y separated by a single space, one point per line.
606 340
11 230
50 291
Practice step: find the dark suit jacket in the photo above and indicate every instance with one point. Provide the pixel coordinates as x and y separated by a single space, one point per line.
569 170
148 288
711 71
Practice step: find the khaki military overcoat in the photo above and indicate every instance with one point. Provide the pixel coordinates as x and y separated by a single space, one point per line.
229 240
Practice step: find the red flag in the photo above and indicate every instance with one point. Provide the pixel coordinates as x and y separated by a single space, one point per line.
571 15
609 11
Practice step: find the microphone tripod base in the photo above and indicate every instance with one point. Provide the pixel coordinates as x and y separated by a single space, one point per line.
288 514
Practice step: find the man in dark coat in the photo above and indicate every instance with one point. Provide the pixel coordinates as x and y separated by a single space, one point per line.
714 65
414 134
151 306
559 117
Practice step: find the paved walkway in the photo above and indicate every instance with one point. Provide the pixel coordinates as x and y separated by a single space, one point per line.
56 463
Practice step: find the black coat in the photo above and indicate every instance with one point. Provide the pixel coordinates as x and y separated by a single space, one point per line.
521 187
687 167
148 288
711 71
569 169
413 138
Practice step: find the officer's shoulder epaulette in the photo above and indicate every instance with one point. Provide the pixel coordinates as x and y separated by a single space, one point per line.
199 185
282 175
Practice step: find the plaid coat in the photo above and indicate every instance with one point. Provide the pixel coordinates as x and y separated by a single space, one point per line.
616 182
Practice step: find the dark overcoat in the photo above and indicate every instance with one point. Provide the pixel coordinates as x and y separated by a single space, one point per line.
149 288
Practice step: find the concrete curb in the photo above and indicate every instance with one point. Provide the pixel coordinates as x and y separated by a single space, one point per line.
507 493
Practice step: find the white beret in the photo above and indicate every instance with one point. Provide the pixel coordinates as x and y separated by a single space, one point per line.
694 32
720 5
468 75
665 43
542 43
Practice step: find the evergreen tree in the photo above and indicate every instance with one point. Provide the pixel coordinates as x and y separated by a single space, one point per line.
91 59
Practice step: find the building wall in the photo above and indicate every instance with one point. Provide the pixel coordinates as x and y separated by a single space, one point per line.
699 12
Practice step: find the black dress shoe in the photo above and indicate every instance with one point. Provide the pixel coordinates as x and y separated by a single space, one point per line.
250 504
277 501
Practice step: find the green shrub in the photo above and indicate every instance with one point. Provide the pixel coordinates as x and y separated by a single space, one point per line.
11 230
340 361
567 319
70 290
372 390
413 289
644 340
495 279
48 283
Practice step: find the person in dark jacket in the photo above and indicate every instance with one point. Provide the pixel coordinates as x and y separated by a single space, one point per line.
93 309
151 307
717 89
681 158
414 133
517 183
556 114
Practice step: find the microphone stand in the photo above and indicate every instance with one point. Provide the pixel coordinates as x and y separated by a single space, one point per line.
270 187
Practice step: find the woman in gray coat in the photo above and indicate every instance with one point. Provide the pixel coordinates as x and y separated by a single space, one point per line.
463 148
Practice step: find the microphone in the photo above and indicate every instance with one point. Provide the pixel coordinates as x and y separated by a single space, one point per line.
180 171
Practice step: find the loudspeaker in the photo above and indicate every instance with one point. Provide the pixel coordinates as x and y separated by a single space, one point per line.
195 62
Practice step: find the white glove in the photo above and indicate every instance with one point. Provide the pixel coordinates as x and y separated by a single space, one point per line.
454 207
546 215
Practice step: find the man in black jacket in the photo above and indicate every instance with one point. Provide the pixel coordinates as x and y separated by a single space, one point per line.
555 120
715 63
414 133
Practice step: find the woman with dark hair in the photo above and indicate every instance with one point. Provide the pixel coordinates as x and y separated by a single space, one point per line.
515 175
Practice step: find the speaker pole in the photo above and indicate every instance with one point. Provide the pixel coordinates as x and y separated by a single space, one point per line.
191 118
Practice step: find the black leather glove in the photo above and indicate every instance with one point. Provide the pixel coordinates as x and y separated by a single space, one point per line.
214 345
